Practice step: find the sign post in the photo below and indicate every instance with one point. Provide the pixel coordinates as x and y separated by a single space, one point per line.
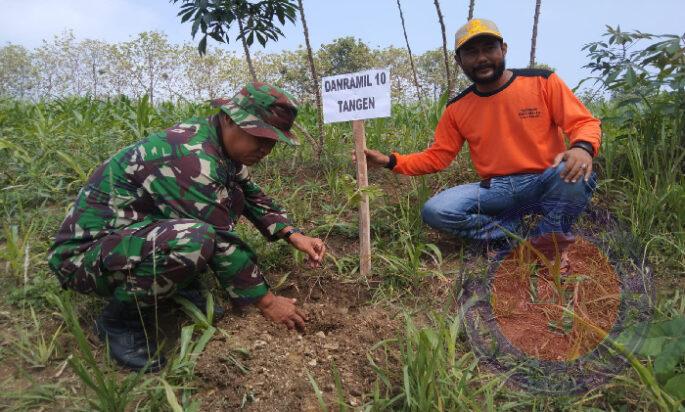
364 214
355 97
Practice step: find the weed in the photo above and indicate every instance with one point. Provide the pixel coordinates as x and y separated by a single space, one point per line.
110 393
435 374
32 345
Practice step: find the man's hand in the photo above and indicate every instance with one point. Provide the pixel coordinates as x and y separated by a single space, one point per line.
578 163
312 246
282 310
374 158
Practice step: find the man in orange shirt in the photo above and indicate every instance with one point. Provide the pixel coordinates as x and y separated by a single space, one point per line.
512 121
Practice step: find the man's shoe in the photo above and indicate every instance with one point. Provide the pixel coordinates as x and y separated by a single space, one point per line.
496 249
130 335
196 295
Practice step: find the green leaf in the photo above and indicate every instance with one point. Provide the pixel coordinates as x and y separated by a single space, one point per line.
171 397
674 327
676 386
202 46
652 346
671 355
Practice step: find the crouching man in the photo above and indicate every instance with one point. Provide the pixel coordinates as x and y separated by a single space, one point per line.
511 120
163 210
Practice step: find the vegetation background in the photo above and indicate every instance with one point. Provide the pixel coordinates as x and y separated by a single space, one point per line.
68 105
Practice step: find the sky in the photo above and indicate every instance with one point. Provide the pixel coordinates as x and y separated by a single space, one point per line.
564 27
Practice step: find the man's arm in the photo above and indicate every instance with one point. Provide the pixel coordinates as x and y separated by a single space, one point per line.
267 216
445 147
572 116
577 122
271 220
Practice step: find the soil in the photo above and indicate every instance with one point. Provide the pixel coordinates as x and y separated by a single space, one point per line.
265 367
529 306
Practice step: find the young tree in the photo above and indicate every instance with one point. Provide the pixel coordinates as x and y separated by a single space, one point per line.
149 58
203 77
450 86
255 19
315 79
17 74
431 69
345 55
411 58
403 87
534 37
58 64
97 57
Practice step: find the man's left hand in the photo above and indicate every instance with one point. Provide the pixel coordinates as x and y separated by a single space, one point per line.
312 246
578 164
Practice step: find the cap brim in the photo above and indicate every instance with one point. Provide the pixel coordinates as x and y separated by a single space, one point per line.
259 128
483 33
267 131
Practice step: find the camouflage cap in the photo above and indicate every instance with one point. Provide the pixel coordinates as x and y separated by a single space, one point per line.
474 28
262 110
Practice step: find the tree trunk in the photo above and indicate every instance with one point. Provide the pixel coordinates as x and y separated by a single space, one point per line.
151 75
471 5
444 49
411 57
315 82
246 49
534 38
95 80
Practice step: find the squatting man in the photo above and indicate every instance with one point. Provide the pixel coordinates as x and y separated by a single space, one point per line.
514 122
161 211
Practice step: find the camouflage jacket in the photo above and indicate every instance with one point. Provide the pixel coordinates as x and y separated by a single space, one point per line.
182 172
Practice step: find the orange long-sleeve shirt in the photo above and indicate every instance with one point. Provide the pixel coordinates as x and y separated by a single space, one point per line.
515 129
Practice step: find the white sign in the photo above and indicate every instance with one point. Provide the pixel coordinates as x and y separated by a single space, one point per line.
356 96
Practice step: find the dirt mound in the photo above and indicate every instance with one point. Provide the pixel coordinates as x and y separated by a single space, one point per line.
265 367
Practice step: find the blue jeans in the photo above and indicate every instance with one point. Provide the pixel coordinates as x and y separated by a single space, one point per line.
479 213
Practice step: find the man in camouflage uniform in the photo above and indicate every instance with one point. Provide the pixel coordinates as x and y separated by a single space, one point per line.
163 210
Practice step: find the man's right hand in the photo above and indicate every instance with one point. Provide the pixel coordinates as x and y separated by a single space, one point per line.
374 158
282 310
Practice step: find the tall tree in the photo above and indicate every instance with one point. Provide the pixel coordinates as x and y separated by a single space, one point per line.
472 3
315 80
345 55
96 59
18 76
534 37
450 88
411 58
149 57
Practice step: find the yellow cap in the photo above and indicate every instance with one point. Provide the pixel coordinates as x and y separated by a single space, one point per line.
476 27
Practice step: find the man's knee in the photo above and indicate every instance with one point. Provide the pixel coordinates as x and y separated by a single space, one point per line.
232 256
430 213
436 215
580 189
193 245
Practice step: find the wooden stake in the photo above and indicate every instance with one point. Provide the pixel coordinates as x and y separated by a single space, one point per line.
362 183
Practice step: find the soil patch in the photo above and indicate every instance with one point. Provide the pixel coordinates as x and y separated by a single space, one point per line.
265 367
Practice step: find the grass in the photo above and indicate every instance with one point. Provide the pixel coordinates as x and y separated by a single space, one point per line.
48 149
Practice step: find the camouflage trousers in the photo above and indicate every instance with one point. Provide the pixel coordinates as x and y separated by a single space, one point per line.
149 264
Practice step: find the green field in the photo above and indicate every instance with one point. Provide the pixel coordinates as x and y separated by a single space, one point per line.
420 358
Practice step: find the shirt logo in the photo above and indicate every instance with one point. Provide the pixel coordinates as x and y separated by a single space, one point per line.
529 113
